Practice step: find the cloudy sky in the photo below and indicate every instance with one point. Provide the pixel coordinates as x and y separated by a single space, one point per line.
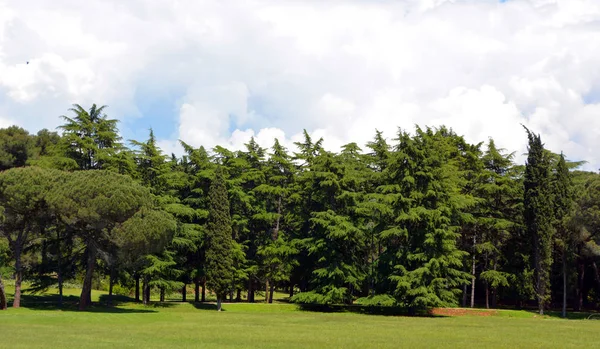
217 72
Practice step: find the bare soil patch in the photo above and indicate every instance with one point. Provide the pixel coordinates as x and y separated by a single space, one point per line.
462 312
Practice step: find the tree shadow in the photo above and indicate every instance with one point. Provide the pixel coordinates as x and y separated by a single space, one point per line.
71 303
579 315
205 306
368 310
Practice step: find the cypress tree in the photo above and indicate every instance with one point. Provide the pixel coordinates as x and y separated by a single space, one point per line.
538 215
563 204
219 242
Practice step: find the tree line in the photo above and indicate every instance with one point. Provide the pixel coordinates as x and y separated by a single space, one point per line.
424 220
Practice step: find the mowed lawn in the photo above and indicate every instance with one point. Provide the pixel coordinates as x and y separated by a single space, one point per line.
185 325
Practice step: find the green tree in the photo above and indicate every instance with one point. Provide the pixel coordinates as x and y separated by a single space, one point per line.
219 242
93 203
538 214
17 146
91 138
562 189
427 262
23 199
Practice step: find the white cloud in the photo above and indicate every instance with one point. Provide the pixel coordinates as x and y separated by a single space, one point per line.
341 69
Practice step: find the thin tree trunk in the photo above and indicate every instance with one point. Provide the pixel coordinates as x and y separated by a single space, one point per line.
267 291
540 286
487 296
250 290
59 269
580 285
204 290
271 290
111 282
18 277
291 289
218 303
238 296
86 291
137 287
473 283
473 270
162 294
275 233
464 296
564 272
184 293
3 301
197 291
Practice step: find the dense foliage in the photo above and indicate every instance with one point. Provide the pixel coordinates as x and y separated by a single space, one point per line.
424 220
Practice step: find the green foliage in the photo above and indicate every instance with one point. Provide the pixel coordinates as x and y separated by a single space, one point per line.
400 223
219 244
90 137
16 147
382 300
423 238
538 214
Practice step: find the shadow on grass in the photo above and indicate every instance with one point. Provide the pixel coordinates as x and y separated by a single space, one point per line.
366 310
205 306
71 303
570 315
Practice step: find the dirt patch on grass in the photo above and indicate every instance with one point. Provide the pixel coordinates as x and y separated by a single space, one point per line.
462 312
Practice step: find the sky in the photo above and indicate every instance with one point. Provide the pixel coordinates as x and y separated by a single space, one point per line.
218 72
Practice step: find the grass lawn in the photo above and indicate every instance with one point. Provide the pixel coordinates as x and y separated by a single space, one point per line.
243 325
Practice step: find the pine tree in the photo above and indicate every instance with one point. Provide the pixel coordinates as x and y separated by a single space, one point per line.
423 239
563 205
538 215
499 194
219 242
90 138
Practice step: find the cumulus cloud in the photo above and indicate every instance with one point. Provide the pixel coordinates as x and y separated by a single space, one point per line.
340 69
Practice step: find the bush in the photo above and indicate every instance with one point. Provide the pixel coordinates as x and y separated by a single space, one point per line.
122 290
381 300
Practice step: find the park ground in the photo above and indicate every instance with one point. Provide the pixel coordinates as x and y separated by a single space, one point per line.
40 324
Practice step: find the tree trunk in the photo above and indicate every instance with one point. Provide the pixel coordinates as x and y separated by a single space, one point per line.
3 300
60 288
238 296
162 294
473 270
137 287
59 269
564 272
291 289
204 290
275 233
86 291
250 290
184 293
267 291
111 282
146 291
487 296
271 290
218 303
18 277
473 283
197 291
580 285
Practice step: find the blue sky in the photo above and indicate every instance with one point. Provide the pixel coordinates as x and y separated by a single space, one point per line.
218 72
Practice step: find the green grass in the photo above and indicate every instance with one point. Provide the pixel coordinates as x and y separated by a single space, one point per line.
280 325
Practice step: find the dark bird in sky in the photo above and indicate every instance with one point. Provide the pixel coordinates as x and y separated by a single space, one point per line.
27 62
